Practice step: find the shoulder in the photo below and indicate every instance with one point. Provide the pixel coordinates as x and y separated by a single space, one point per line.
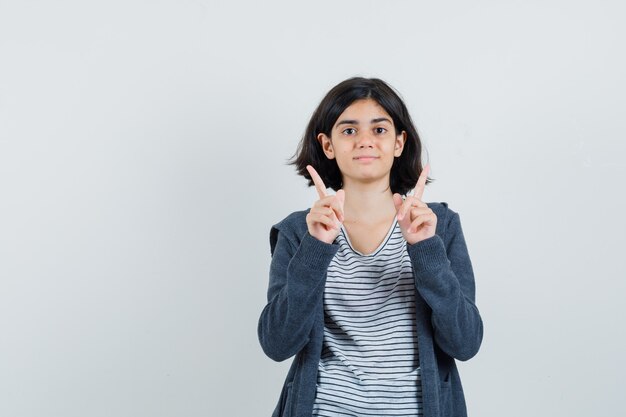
292 228
442 210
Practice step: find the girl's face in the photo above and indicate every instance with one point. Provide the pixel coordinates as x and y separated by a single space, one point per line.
364 143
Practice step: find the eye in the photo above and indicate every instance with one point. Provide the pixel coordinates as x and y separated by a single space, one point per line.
380 130
349 131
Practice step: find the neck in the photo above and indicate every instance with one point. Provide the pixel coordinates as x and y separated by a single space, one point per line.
368 202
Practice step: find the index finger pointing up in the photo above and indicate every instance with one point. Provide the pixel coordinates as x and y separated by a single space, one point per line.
317 180
418 191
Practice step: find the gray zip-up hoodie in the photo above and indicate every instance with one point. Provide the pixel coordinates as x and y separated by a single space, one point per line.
448 323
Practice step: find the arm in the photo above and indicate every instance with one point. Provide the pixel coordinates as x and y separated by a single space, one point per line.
445 279
296 289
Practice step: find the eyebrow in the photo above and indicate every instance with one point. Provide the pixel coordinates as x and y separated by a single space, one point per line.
356 122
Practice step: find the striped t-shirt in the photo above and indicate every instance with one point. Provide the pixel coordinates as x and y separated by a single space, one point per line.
370 363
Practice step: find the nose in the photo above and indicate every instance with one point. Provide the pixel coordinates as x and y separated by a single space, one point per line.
365 140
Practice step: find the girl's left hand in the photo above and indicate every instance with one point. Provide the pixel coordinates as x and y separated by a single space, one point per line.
417 221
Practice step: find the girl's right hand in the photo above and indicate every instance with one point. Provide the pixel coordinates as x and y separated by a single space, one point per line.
325 218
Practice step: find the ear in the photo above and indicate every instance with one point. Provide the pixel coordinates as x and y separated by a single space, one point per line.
327 145
399 145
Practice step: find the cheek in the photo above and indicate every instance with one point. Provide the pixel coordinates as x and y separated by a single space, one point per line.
341 151
391 148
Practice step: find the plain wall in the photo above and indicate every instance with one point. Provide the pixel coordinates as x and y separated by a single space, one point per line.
142 164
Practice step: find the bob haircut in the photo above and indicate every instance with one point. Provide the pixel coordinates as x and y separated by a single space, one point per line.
405 169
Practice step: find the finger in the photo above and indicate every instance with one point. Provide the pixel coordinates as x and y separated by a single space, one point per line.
330 212
418 191
418 211
328 222
317 180
424 218
409 203
333 201
325 211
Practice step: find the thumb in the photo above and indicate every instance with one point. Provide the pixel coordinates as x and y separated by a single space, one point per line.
397 201
341 196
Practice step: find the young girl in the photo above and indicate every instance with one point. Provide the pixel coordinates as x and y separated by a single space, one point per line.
372 292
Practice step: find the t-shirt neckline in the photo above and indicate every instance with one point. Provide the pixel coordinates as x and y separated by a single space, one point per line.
379 248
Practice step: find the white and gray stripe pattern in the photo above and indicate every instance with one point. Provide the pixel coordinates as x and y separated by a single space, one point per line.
370 363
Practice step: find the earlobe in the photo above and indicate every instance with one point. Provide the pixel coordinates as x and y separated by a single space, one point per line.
327 145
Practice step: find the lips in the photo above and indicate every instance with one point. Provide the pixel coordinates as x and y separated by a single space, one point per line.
365 157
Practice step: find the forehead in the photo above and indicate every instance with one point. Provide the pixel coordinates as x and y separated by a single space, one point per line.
363 111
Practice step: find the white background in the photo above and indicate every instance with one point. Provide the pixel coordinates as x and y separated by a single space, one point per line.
142 163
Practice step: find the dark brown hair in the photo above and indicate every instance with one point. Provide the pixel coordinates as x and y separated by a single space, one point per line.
405 169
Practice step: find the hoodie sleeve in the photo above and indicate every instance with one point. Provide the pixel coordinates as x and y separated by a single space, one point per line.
445 279
296 289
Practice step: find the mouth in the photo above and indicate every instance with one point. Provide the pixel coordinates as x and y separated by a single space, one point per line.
365 158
